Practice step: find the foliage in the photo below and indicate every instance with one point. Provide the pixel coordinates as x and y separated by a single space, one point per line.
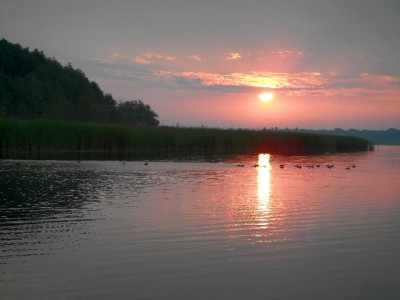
33 86
47 136
136 112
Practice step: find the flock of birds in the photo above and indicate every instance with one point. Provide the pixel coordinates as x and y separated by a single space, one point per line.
282 166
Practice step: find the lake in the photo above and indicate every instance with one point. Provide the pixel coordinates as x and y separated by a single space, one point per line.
200 228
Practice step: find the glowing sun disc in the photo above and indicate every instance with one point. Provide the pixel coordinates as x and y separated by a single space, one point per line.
266 97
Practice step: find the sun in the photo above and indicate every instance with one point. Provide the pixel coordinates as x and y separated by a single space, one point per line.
266 97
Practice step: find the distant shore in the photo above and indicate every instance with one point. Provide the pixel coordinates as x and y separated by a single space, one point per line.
42 136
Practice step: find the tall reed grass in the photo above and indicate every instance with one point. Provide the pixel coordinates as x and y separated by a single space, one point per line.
40 136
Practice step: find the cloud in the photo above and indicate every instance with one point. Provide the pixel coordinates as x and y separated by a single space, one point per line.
381 80
141 60
146 58
149 67
233 56
120 73
292 84
366 81
110 58
159 56
288 53
251 79
334 93
195 57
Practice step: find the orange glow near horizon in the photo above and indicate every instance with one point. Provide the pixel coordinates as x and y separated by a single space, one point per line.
241 90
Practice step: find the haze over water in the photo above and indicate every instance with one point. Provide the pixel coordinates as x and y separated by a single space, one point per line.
202 230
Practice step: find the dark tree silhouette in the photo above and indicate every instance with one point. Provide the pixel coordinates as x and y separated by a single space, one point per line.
33 86
136 112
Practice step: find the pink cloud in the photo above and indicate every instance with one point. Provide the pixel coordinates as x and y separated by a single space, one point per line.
141 60
195 57
381 79
288 53
251 79
159 56
111 58
312 84
233 56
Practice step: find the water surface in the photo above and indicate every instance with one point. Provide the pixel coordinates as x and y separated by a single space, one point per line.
202 230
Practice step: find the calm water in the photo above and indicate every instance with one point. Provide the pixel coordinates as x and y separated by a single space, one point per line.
202 230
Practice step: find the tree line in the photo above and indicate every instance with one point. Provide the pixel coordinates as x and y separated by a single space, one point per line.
390 136
33 86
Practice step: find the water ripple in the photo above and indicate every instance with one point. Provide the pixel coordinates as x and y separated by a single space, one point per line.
178 230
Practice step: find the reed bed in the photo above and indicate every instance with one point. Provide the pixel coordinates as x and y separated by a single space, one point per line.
41 136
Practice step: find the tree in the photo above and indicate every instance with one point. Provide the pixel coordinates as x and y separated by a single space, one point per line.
36 87
137 113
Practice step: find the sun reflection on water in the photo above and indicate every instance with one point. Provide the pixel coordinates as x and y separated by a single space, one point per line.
264 187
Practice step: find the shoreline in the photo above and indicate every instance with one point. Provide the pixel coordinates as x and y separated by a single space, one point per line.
37 137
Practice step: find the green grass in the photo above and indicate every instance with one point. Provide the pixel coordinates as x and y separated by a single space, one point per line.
41 136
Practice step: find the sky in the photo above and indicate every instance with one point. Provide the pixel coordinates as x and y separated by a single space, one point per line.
328 63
